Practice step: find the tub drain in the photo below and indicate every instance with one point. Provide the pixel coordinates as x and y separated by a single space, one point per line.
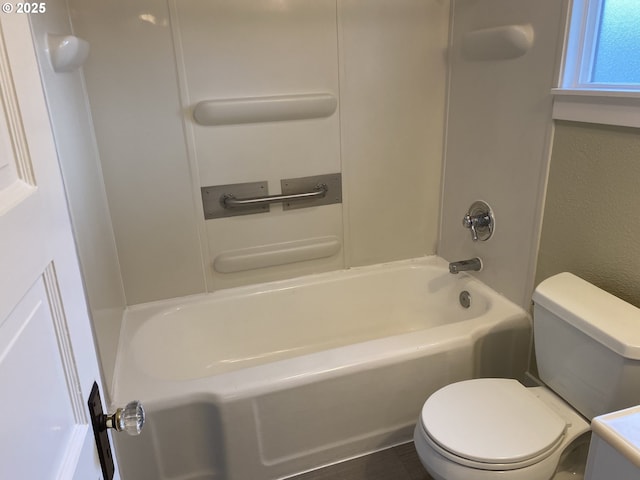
465 299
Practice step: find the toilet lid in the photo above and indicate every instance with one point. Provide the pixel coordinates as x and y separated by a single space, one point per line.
491 420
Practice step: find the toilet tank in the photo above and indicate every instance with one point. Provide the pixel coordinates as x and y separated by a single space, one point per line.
587 345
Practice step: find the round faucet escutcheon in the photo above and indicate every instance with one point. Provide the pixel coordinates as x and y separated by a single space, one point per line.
479 220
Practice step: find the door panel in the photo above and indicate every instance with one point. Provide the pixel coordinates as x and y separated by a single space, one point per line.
48 361
39 399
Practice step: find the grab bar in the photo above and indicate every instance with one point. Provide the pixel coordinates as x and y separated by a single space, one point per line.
229 200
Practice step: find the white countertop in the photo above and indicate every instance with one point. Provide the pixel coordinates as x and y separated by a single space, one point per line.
622 431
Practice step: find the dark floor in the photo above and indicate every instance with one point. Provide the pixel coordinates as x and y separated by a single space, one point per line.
398 463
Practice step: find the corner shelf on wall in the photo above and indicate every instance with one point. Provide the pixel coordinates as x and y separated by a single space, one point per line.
67 52
498 43
278 108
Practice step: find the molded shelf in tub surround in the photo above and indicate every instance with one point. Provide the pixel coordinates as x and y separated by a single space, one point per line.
233 111
67 52
276 254
499 43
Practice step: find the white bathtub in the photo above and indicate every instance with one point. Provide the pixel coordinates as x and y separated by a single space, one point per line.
271 380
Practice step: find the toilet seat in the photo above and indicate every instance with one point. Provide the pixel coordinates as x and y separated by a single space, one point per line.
475 465
491 424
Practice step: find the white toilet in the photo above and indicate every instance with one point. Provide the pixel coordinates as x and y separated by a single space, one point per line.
587 345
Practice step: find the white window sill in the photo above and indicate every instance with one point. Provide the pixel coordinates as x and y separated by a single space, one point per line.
608 107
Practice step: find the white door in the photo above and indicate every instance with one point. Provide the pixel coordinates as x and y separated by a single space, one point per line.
47 356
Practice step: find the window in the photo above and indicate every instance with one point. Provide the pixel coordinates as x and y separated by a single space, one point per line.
601 67
616 55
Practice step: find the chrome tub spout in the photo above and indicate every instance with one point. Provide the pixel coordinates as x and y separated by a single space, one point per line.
473 264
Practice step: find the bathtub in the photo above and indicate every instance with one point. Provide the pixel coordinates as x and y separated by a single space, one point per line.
271 380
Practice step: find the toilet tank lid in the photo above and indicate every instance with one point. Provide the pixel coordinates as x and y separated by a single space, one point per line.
604 317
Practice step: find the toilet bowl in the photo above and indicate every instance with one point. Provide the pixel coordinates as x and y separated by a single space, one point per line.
587 348
495 428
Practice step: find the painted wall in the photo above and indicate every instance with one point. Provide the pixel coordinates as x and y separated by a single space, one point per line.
590 225
497 136
152 61
80 163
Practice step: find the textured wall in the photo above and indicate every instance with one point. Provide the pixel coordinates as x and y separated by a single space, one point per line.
591 225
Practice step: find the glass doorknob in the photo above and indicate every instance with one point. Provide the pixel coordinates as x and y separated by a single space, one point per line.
129 419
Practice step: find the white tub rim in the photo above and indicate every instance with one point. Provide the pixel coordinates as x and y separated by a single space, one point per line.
318 365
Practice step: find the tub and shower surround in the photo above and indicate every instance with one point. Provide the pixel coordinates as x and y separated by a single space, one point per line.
153 62
157 89
267 381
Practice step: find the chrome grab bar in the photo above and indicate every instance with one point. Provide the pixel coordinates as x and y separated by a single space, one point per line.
230 201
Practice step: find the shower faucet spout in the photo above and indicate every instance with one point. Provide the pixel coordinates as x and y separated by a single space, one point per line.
473 264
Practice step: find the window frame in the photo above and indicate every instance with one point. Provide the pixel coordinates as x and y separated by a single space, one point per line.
579 99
